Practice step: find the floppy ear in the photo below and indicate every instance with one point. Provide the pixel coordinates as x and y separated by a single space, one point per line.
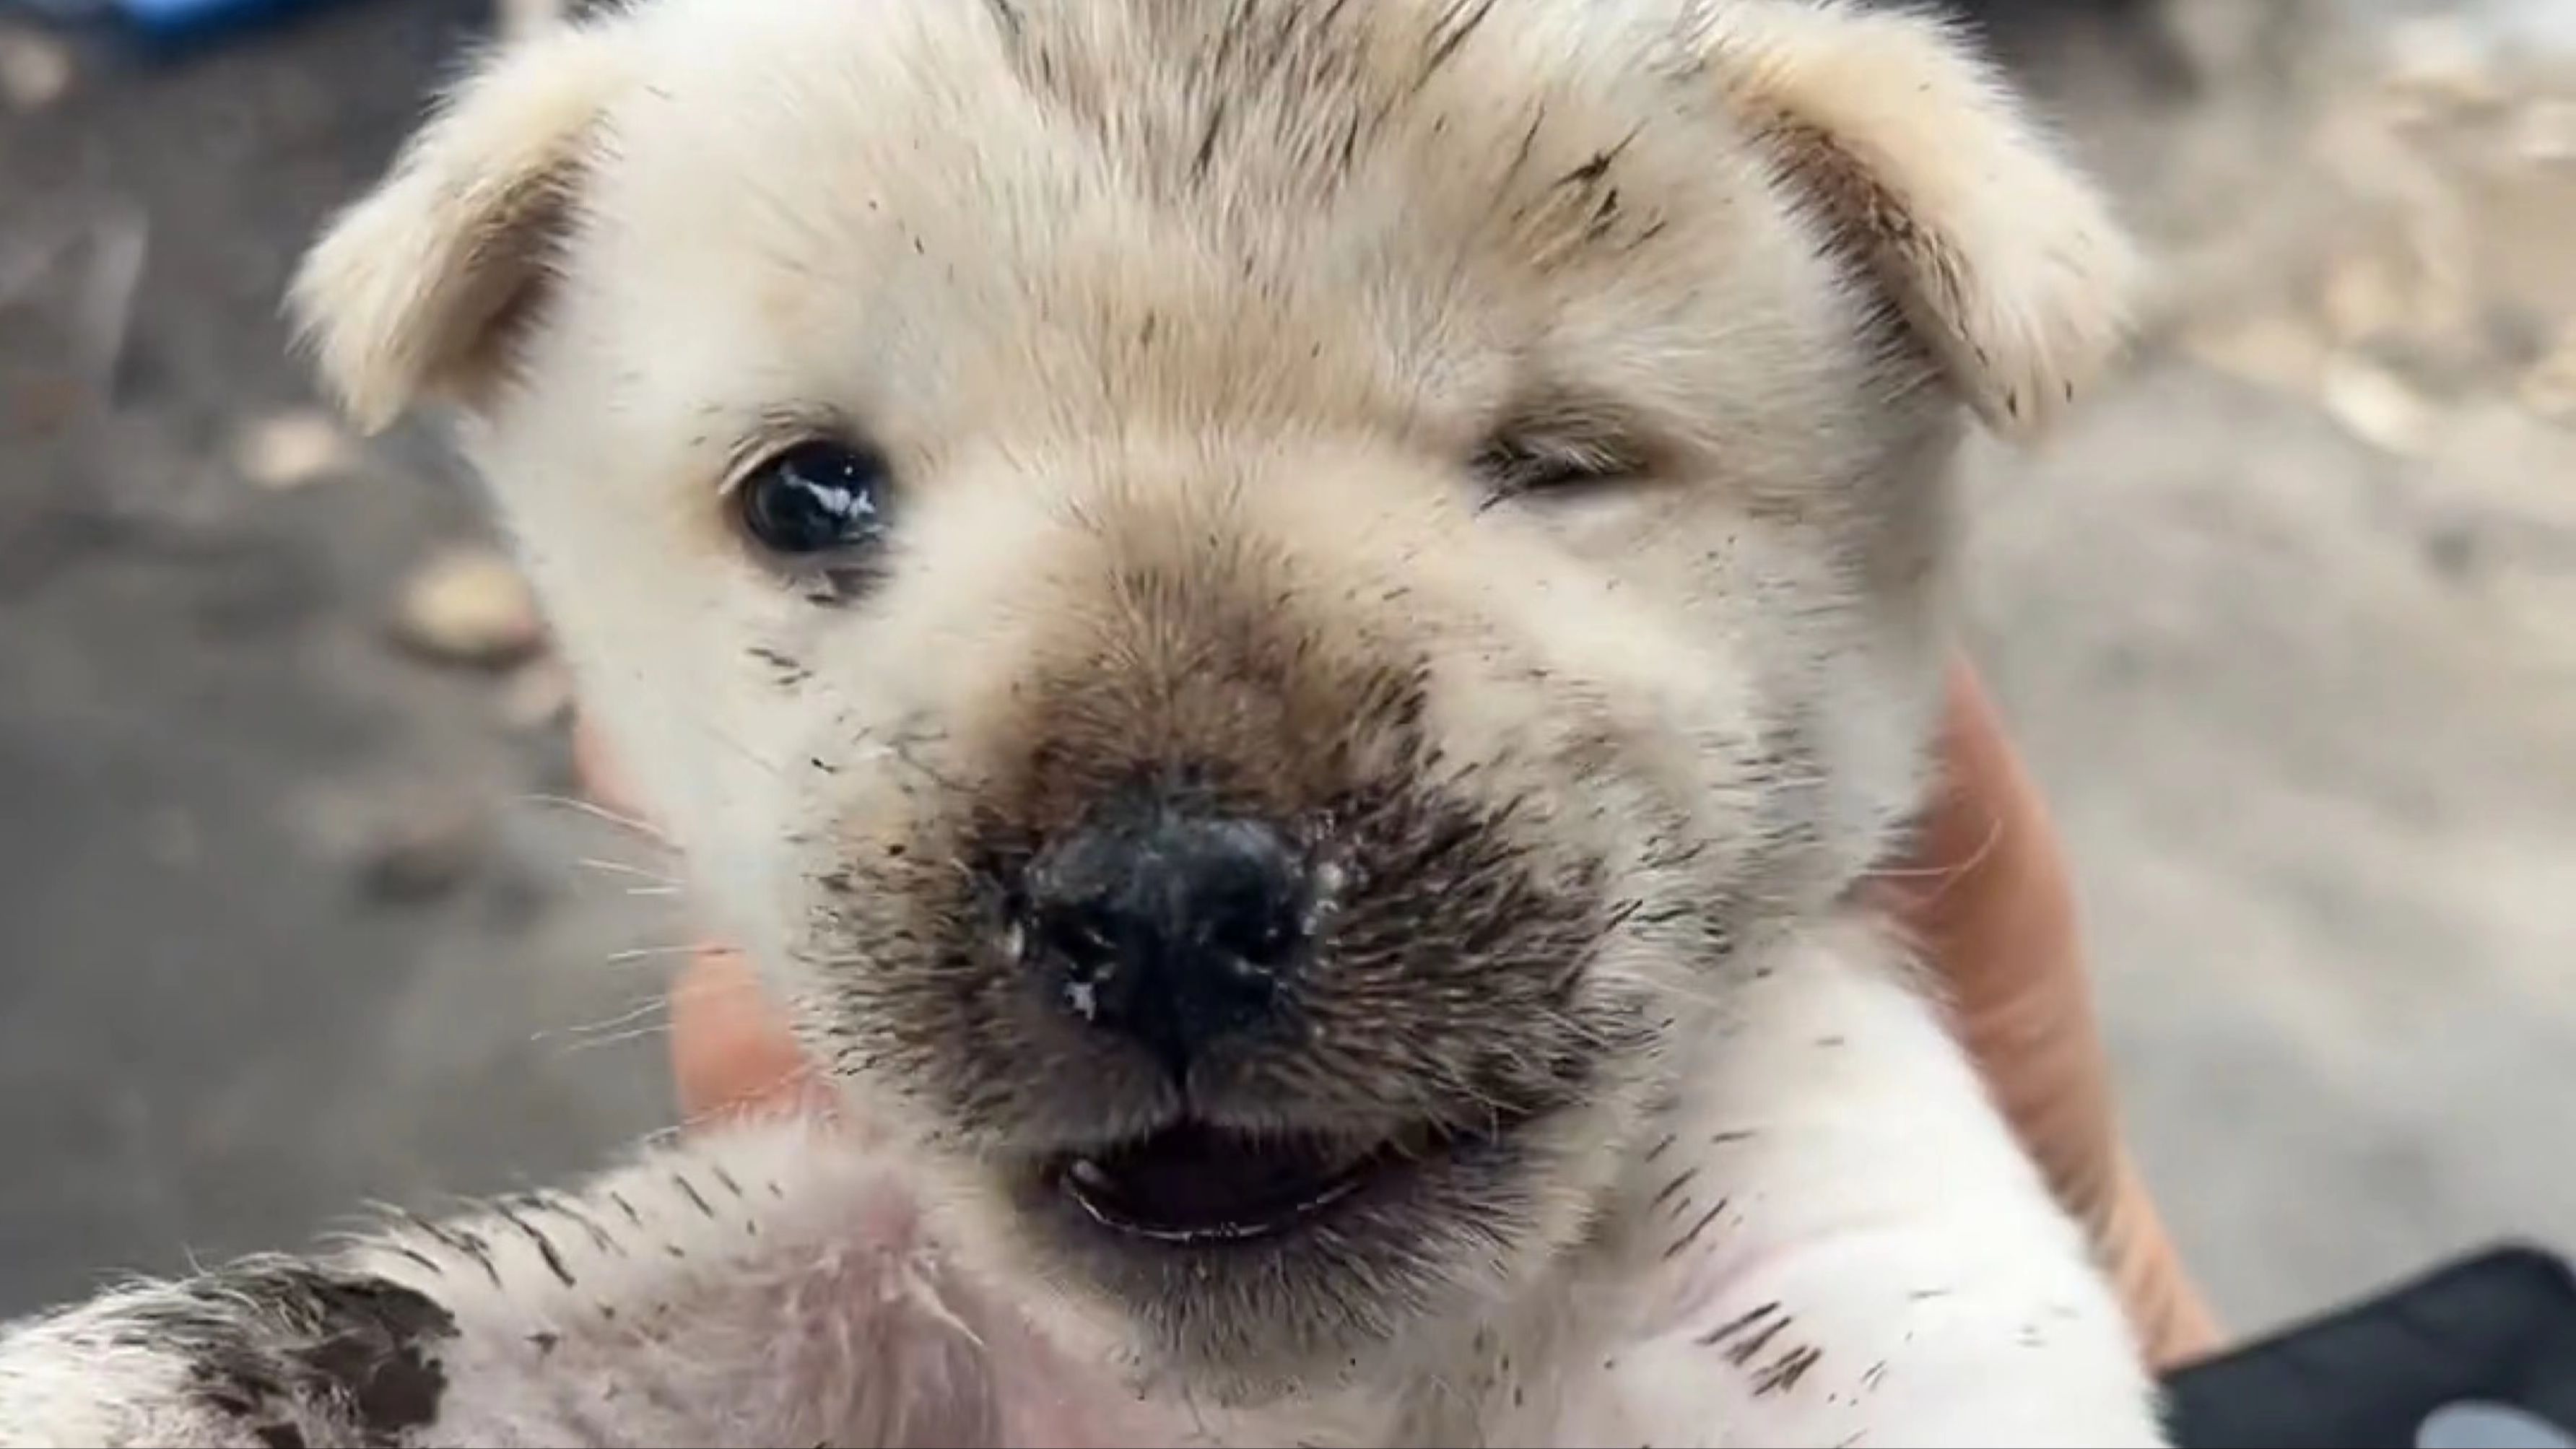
416 289
1922 165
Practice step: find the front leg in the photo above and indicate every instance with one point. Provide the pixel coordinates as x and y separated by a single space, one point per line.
766 1285
1859 1252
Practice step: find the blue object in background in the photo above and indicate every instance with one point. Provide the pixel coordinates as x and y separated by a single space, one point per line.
166 21
192 19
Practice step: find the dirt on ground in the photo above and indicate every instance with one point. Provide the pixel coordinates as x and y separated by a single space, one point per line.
293 912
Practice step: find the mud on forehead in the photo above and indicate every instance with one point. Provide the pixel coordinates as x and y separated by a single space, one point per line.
1000 216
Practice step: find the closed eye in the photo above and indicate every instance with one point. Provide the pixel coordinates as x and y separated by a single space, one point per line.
1517 463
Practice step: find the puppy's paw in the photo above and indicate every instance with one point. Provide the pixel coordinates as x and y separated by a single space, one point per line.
271 1351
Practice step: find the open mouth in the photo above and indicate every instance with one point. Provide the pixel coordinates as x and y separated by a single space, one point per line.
1196 1185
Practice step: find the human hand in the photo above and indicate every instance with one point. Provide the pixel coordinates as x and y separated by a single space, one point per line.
1988 897
1989 900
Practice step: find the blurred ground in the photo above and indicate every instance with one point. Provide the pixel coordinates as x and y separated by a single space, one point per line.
2288 625
277 924
2287 622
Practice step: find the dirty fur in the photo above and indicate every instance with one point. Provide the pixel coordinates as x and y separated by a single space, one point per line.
1498 446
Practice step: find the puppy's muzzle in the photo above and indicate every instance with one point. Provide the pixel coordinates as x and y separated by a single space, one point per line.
1166 922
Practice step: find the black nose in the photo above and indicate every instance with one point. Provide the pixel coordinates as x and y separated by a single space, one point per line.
1173 927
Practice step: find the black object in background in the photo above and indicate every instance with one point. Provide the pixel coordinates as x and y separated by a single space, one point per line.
2495 1330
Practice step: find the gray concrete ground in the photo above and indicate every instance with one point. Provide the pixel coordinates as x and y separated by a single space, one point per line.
2285 622
218 1029
2288 626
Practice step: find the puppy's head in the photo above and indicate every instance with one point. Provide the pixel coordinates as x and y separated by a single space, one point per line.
1250 604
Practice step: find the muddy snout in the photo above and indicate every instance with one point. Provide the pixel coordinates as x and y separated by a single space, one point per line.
1164 919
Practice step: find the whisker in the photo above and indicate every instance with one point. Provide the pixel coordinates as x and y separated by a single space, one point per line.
648 953
709 729
617 1028
762 1093
853 960
602 812
628 1017
1949 875
619 867
588 1043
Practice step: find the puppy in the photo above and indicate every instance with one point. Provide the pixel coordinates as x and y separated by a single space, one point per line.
1289 623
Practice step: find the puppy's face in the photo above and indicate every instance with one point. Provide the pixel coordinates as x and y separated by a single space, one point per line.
1248 604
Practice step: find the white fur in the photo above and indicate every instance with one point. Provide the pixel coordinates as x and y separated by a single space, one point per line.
774 1285
2023 310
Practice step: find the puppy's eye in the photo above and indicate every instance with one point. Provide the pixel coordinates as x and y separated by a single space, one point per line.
1516 464
813 498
